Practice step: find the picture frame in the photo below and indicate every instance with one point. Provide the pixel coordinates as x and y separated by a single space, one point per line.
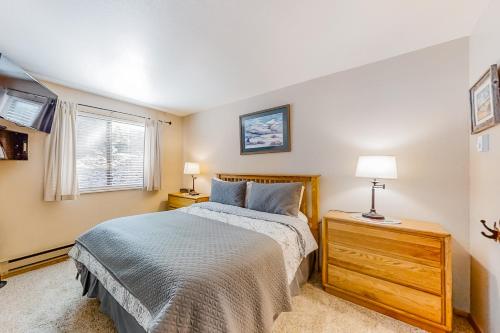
484 101
266 131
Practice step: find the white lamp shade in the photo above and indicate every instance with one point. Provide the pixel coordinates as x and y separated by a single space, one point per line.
380 167
191 168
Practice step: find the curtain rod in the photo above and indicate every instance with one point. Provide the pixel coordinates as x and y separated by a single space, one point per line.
130 114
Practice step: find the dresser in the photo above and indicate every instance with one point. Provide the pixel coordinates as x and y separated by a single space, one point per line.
178 200
400 270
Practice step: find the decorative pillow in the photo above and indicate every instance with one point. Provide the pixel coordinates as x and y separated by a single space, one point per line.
228 193
277 198
249 188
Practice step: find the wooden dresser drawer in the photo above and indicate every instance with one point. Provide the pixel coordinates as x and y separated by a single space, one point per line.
396 270
391 294
401 270
414 248
178 202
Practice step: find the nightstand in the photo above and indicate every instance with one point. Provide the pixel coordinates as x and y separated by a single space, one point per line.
400 270
178 200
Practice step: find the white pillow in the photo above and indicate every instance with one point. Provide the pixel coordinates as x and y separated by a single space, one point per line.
247 195
301 196
303 217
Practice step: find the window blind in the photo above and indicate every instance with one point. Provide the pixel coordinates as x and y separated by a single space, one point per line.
109 153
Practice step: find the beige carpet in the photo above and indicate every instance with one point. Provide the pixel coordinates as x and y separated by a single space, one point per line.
49 300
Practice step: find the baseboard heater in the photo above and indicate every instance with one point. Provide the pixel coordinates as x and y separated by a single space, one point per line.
20 265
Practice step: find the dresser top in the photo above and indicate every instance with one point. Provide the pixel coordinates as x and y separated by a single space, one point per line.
421 227
189 196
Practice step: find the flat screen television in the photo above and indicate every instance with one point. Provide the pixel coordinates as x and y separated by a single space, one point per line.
23 100
13 145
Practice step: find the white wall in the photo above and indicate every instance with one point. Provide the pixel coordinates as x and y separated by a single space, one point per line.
485 181
29 225
413 106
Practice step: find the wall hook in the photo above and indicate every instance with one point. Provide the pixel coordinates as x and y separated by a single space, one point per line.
495 234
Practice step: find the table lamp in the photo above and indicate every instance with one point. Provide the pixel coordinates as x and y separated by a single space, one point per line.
376 167
191 168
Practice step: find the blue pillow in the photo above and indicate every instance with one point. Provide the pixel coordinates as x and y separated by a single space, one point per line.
277 198
228 193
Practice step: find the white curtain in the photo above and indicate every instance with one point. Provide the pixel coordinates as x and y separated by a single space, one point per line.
60 181
152 155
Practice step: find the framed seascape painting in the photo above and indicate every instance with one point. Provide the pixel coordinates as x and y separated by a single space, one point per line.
266 131
484 101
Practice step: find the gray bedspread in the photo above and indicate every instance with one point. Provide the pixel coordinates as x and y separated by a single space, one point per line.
193 274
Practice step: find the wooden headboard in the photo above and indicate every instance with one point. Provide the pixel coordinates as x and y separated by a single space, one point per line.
310 201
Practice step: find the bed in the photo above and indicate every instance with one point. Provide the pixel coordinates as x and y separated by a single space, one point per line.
209 267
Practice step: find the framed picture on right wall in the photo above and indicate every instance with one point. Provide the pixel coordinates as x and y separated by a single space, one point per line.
484 101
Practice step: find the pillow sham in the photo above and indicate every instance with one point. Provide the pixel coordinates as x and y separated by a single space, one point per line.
228 193
249 188
277 198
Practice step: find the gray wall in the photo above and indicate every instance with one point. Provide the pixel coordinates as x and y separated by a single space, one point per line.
413 106
485 180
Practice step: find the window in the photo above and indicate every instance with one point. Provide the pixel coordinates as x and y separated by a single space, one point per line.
109 153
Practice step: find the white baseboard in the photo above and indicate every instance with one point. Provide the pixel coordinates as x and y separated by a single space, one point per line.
18 265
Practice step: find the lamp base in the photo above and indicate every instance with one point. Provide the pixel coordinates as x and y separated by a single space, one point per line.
192 191
373 215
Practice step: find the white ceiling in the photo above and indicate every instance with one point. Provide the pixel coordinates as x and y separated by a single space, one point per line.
191 55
